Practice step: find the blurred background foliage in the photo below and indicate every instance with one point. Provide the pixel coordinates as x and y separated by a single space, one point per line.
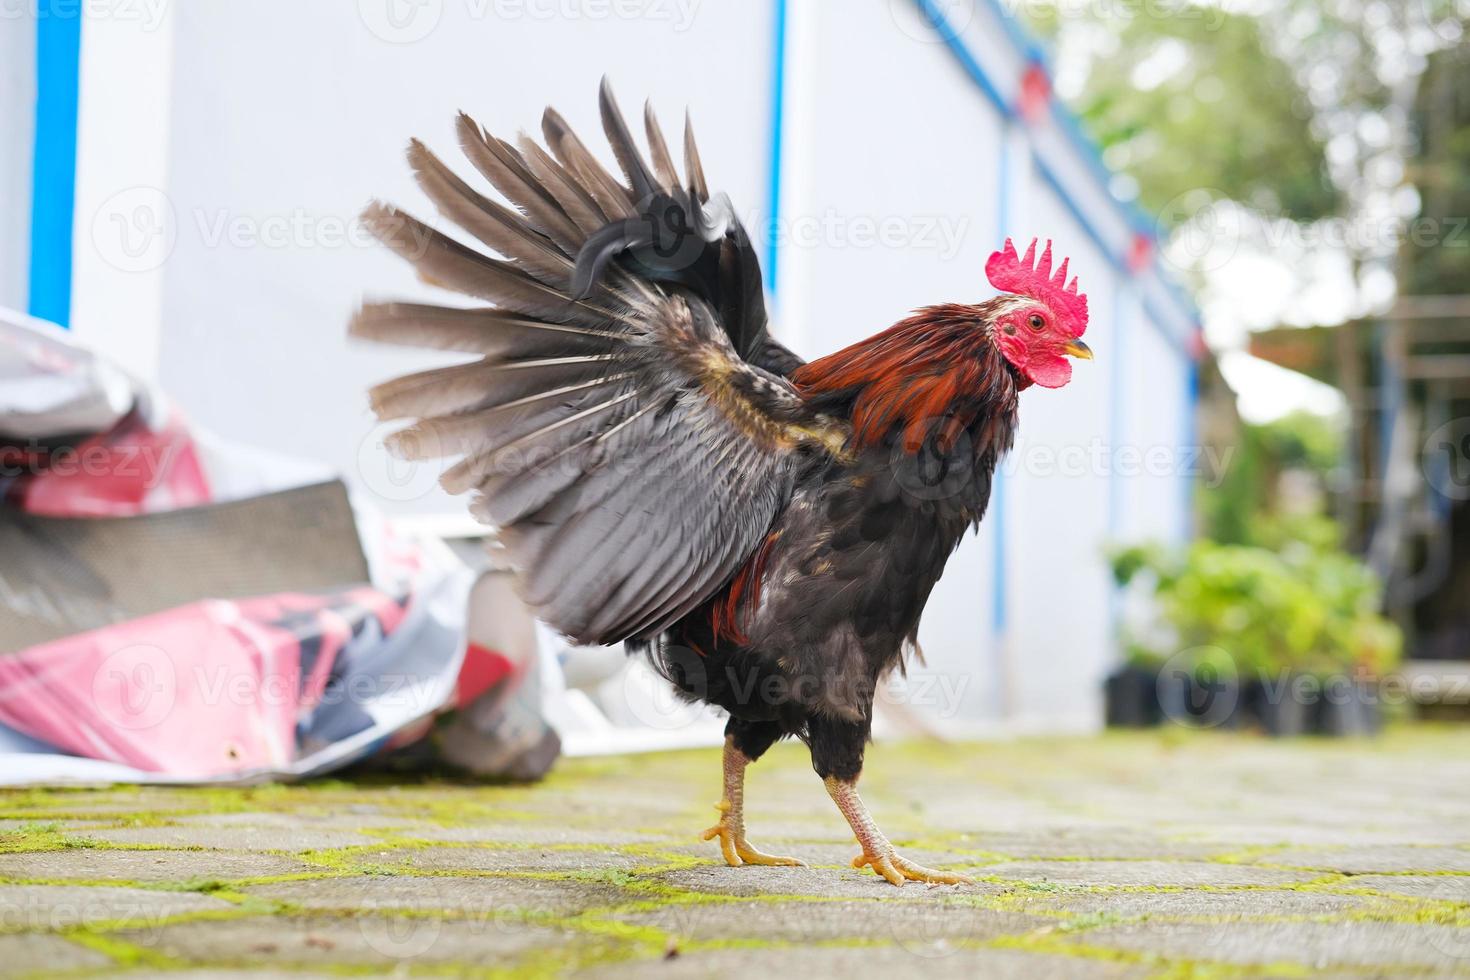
1303 112
1440 170
1295 108
1276 480
1198 101
1302 141
1305 609
1269 578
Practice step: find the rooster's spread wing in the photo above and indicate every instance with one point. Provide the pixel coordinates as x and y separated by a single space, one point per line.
627 425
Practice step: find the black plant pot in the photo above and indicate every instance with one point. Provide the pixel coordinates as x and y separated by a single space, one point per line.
1186 698
1280 710
1131 698
1348 709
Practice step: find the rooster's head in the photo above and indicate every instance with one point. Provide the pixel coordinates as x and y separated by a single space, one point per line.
1041 324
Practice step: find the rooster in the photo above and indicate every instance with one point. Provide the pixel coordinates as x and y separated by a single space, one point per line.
663 472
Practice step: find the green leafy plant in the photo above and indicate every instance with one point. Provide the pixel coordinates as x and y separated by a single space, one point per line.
1306 607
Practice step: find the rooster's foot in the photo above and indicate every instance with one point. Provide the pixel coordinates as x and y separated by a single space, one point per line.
877 852
898 869
736 848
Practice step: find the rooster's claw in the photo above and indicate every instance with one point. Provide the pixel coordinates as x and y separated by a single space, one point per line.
736 849
897 869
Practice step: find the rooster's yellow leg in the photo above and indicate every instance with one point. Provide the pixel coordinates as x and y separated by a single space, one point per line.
731 828
877 851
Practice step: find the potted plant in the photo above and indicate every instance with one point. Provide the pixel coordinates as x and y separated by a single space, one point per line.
1131 693
1287 637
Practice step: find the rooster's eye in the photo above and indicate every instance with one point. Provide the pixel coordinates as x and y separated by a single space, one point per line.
1036 321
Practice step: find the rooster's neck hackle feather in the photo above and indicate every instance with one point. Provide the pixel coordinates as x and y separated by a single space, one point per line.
933 373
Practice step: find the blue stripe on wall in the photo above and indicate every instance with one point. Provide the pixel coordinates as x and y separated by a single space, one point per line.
778 111
951 37
1134 216
1118 262
54 165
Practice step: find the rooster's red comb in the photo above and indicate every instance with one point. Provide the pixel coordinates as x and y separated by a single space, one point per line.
1017 275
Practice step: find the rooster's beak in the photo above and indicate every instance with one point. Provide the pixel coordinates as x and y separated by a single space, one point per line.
1076 348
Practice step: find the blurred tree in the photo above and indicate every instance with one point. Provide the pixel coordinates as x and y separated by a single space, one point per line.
1434 260
1303 110
1438 263
1197 100
1339 133
1302 441
1246 506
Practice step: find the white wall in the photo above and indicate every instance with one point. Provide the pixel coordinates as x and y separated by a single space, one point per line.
288 118
269 125
1155 408
17 111
123 225
1058 489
